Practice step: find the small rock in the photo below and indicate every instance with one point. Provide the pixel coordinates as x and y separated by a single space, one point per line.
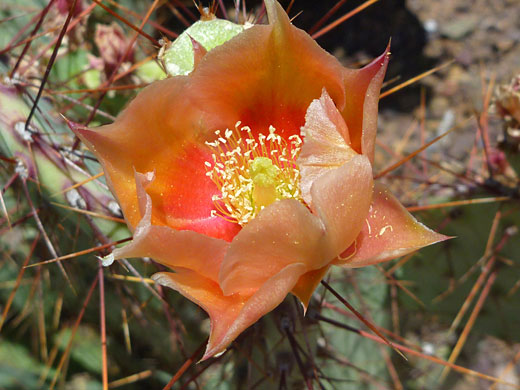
459 28
431 26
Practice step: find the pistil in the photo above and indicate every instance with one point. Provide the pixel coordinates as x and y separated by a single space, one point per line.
251 172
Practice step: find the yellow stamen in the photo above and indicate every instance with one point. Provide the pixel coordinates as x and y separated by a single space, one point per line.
252 172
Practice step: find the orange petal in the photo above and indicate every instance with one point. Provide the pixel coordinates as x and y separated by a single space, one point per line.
388 232
362 97
125 145
326 143
307 284
177 248
267 75
161 131
222 310
231 315
173 248
342 199
283 233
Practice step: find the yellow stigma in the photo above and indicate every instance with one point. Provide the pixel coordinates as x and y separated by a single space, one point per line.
252 172
264 175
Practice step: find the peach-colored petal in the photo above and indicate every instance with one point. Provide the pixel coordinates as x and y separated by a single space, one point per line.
283 233
250 78
222 310
231 315
173 248
126 144
307 283
177 248
326 143
389 231
267 75
362 97
341 198
163 132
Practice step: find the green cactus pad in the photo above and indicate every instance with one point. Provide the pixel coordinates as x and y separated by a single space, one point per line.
178 56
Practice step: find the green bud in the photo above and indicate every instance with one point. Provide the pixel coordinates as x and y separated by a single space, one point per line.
178 57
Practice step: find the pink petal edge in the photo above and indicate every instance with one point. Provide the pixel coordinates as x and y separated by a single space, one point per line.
362 100
389 231
326 143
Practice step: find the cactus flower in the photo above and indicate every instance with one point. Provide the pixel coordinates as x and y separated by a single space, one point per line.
252 175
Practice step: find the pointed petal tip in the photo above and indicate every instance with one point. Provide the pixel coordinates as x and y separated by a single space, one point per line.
434 237
380 61
304 307
304 301
383 59
390 231
307 284
442 238
162 279
271 8
198 51
211 352
87 135
76 127
275 12
361 107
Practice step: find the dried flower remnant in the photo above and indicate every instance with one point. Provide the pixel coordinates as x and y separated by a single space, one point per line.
112 44
64 6
508 100
59 12
507 105
252 175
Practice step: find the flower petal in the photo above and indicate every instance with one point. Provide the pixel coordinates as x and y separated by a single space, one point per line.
283 233
231 315
266 75
250 78
362 97
326 143
173 248
307 283
161 131
342 199
207 294
388 232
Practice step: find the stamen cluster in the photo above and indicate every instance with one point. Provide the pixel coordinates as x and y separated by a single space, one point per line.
252 171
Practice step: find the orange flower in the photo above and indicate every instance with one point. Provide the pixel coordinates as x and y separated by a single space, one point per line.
252 175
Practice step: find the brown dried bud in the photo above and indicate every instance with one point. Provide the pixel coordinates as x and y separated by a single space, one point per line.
112 44
64 7
508 100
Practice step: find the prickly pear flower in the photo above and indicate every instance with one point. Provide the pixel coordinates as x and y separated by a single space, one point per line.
252 175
